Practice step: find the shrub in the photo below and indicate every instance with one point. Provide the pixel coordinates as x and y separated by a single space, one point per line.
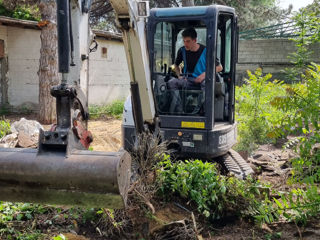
302 104
213 194
21 12
254 114
4 128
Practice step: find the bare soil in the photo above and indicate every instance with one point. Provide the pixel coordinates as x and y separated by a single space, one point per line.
106 134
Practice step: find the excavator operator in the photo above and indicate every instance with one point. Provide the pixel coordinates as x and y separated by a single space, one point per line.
193 72
193 55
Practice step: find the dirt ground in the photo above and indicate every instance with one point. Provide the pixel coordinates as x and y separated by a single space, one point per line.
106 134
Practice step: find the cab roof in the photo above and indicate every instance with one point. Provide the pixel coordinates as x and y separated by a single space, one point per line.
189 11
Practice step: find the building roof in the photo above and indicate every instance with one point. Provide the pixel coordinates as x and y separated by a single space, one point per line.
108 35
13 22
7 21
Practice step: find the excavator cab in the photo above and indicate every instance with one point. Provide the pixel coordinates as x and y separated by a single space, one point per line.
196 122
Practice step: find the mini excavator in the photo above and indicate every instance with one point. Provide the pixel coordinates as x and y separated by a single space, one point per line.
62 170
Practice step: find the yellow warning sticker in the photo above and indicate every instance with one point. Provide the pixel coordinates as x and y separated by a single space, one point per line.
192 124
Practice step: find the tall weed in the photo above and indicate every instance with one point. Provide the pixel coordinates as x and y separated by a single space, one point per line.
254 114
302 104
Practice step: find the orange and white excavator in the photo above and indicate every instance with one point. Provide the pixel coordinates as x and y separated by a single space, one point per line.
63 171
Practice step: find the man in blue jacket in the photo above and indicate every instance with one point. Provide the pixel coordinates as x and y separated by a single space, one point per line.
193 55
193 72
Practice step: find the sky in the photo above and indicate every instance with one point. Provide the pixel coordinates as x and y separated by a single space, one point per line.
296 3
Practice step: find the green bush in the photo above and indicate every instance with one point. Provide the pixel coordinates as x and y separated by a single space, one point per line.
307 22
214 195
254 114
21 12
299 205
4 128
115 109
302 104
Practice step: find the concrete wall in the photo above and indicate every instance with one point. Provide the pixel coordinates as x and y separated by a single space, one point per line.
23 62
269 54
109 75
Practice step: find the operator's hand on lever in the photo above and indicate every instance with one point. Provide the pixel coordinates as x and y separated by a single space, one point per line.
200 78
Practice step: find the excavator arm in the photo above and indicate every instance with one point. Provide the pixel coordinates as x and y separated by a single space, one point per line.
131 18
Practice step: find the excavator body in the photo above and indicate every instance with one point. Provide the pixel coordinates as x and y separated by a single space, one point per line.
196 122
63 171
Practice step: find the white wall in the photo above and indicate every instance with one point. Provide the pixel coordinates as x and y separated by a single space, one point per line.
23 49
109 76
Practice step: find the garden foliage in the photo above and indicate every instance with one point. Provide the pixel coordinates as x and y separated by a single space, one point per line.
21 12
214 195
254 114
113 109
4 128
302 106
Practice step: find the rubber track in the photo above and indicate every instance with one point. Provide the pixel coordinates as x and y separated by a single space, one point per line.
236 164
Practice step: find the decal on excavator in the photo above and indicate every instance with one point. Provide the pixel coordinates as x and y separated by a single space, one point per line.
192 124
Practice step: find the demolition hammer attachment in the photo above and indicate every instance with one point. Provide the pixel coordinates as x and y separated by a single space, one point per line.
62 171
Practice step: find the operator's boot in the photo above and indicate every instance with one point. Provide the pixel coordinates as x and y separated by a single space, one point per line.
200 101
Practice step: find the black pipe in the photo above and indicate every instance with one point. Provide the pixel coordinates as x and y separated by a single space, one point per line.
136 107
63 35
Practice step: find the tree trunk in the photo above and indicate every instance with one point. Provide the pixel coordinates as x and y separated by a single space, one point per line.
48 63
187 3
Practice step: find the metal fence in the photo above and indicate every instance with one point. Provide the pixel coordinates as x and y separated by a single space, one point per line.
285 30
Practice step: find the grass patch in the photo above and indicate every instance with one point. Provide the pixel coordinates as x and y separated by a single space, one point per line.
113 109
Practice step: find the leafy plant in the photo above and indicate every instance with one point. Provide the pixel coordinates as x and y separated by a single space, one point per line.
21 12
302 104
254 114
299 205
4 128
215 195
60 237
307 22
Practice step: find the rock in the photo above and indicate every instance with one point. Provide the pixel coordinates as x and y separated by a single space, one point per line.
10 141
285 155
316 148
26 141
29 127
27 132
